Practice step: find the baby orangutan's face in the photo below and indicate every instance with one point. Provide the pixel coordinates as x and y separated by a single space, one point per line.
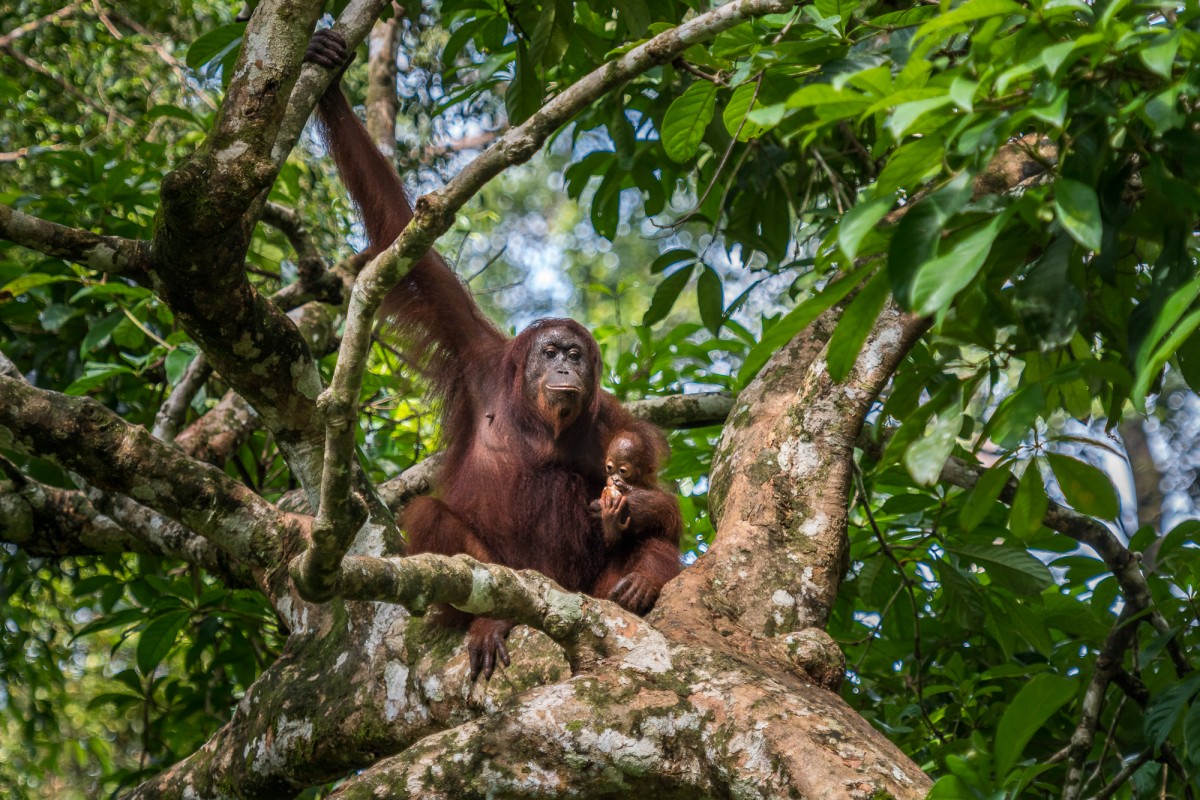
621 463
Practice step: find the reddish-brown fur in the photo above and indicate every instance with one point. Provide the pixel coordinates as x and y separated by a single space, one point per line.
510 491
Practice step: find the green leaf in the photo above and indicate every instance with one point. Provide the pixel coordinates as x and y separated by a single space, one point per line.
158 638
710 296
671 258
983 497
215 45
925 457
1008 567
686 120
1016 415
666 294
860 220
1191 731
1047 299
1087 489
1165 708
772 91
910 165
796 320
1159 57
827 102
970 11
524 95
939 280
1035 703
915 241
19 286
97 336
1078 210
1029 504
95 375
854 326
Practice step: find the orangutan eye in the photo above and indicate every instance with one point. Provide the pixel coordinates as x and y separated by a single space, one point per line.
549 352
574 354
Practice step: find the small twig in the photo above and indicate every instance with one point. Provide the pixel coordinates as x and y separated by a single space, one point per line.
720 79
95 105
1122 777
839 191
29 27
489 263
918 680
172 413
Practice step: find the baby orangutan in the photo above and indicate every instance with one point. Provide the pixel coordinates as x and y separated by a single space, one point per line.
631 461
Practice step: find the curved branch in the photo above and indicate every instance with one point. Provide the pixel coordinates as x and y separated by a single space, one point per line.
791 438
112 254
82 435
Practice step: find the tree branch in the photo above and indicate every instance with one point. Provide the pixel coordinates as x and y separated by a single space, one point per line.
434 214
82 435
1120 560
172 412
49 522
111 254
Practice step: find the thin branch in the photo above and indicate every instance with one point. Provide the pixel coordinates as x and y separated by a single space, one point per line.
434 215
720 79
29 27
153 42
171 414
918 681
112 254
1120 560
1107 663
1122 777
315 279
67 86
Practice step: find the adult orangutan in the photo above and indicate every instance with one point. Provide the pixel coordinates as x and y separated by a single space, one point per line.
524 420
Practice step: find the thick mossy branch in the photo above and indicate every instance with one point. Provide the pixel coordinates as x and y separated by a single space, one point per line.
80 434
111 254
588 628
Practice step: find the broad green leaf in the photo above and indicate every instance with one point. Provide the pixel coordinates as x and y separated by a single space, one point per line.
1008 567
19 286
671 258
855 324
1165 708
916 238
772 91
796 320
1046 298
1029 504
686 120
1035 703
710 296
1016 416
1087 489
970 11
829 103
157 639
906 115
1146 374
1078 210
925 457
95 375
910 165
1191 731
524 95
666 294
215 44
98 335
859 221
938 281
1159 57
983 497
